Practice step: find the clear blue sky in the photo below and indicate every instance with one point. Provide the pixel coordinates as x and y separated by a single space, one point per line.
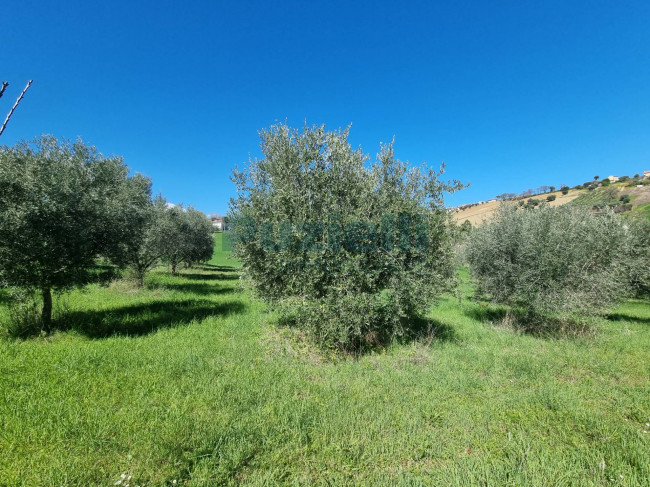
511 95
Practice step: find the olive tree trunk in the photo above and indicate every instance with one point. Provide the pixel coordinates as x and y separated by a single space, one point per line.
46 314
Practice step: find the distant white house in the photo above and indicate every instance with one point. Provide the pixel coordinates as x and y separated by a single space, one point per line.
217 222
613 179
646 174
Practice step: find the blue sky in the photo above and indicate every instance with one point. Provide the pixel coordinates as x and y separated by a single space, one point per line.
511 95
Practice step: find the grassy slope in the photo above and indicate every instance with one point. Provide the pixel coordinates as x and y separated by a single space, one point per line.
603 195
226 398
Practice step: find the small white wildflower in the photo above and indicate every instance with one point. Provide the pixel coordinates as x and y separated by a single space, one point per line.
123 476
621 475
118 482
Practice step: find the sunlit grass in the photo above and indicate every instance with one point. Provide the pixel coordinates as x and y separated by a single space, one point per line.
188 380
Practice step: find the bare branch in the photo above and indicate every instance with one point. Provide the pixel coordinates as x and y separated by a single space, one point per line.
4 125
4 87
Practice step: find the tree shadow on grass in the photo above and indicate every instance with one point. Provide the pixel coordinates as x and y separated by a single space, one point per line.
486 314
200 288
543 326
218 268
210 277
141 319
626 317
428 330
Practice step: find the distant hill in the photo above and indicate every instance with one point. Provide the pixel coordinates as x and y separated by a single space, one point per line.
637 201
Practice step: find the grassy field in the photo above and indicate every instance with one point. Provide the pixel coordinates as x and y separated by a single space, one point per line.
188 382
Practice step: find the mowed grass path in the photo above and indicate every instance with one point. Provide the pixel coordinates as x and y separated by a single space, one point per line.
189 381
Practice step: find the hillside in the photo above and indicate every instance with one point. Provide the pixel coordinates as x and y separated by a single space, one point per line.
639 201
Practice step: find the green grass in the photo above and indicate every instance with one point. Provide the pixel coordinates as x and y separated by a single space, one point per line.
189 380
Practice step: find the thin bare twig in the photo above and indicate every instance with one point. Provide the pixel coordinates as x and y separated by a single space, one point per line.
4 125
4 87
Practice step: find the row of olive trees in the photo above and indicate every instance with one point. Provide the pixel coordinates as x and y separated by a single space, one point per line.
332 241
63 205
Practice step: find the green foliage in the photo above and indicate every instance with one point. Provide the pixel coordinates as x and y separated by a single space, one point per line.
62 204
605 182
466 227
186 237
625 199
550 197
637 250
348 284
141 248
550 261
565 189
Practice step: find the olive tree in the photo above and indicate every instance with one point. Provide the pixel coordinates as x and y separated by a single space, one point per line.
201 238
186 236
637 250
549 261
141 248
62 205
350 251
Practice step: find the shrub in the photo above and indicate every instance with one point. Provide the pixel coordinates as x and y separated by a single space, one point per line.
605 182
551 261
319 234
564 189
550 197
625 199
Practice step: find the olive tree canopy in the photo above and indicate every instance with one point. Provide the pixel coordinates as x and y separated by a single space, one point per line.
62 204
356 250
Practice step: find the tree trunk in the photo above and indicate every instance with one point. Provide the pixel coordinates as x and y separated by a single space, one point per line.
46 315
174 268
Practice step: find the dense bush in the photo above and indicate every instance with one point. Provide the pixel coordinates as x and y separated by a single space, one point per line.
564 189
315 229
550 262
550 197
